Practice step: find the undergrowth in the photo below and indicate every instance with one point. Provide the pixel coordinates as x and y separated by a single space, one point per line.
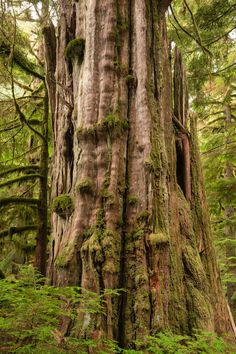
32 313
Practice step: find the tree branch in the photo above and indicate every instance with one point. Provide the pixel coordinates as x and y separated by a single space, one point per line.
18 230
14 200
19 169
24 120
179 126
20 179
189 34
222 36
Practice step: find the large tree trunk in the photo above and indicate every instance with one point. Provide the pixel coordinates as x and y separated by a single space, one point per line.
132 225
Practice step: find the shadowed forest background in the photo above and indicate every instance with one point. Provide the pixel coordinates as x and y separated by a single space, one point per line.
117 176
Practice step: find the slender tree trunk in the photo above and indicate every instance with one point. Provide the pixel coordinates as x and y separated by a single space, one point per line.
42 234
229 230
132 225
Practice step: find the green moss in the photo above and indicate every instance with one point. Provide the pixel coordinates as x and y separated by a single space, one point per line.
63 205
92 246
137 233
122 186
100 220
85 186
143 216
114 122
75 50
86 132
132 200
108 196
141 279
130 80
149 165
88 232
199 308
120 222
159 238
121 69
65 256
61 262
193 264
110 267
122 24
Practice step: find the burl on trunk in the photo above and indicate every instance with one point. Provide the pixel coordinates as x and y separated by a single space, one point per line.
128 203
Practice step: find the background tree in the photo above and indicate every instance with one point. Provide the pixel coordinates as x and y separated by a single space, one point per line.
26 97
206 36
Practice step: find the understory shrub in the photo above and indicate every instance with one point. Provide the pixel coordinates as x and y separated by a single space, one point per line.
31 316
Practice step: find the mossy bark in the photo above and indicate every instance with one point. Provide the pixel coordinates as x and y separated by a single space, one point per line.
42 234
229 213
150 247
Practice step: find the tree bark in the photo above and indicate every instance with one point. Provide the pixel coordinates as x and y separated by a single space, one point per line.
42 234
131 226
229 212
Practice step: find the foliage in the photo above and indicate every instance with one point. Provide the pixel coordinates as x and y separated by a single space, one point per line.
23 130
201 342
32 315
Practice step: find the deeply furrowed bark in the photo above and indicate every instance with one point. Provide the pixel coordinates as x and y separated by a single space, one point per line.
132 226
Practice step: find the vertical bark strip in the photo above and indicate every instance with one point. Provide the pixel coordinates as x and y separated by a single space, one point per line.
229 211
115 155
42 234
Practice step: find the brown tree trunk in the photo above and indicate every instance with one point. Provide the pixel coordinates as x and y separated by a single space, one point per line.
229 211
42 234
131 225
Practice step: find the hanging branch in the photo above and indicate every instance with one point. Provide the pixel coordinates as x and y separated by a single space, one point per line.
222 36
194 22
19 169
14 200
20 179
17 57
17 107
189 34
23 118
18 230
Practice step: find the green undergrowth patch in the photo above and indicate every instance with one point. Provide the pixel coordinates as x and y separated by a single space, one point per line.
31 315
